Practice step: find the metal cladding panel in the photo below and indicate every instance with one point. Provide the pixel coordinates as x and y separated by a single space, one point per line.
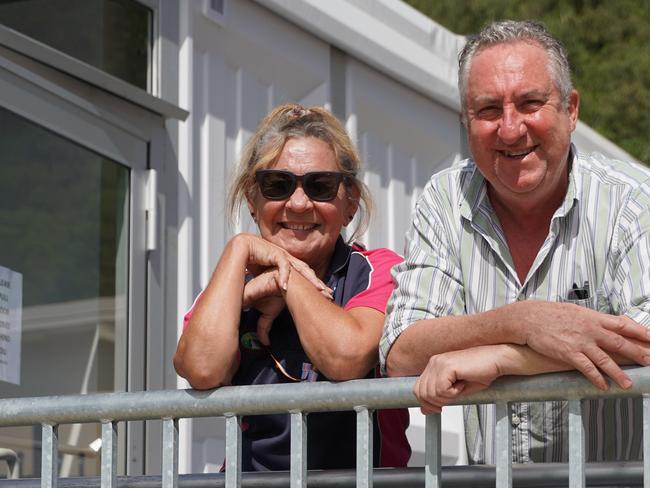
403 137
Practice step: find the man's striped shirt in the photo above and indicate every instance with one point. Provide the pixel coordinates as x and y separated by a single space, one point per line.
458 262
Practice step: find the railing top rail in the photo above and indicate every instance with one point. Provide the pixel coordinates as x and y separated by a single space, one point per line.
476 476
304 397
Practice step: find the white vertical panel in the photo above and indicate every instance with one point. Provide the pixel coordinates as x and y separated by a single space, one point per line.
406 137
402 190
203 185
185 244
375 158
318 96
216 160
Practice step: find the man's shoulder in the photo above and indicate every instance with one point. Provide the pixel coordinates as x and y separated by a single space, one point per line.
613 172
457 169
452 179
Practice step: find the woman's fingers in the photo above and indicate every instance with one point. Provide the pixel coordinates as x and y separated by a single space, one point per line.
308 273
264 324
265 254
435 388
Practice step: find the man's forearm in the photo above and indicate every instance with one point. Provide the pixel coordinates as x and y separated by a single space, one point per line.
590 341
411 351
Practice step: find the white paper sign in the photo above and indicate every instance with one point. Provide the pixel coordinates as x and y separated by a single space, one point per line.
11 311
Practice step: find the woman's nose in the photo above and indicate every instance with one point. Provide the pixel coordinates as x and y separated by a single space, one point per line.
299 201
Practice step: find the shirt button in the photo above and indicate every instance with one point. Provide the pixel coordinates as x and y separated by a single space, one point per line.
515 420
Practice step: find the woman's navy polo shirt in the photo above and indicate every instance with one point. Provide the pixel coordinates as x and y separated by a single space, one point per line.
359 278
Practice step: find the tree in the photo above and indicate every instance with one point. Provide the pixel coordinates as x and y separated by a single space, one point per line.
607 45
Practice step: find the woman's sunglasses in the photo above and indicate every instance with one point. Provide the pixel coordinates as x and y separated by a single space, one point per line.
320 186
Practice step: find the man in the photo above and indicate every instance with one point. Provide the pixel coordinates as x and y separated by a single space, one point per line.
504 245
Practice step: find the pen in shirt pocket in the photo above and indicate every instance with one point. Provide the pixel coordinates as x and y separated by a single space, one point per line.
579 293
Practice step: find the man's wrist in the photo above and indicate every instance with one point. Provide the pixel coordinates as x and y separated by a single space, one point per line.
515 323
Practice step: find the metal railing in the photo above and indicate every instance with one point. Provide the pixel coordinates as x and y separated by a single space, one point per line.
362 396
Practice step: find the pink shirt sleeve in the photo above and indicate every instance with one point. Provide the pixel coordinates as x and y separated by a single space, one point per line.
188 314
380 281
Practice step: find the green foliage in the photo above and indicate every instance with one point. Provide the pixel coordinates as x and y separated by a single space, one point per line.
607 43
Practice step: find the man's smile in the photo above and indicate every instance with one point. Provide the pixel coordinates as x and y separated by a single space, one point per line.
518 154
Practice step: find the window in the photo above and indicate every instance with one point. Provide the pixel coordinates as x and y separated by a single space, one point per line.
112 35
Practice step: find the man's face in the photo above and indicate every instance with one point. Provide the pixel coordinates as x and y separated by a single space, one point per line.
519 130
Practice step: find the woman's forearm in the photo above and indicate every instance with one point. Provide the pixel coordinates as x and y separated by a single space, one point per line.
522 360
341 344
207 351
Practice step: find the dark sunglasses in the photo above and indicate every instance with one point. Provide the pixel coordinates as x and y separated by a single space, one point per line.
320 186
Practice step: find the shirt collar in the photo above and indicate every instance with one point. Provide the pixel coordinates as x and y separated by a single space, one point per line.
340 257
473 190
574 189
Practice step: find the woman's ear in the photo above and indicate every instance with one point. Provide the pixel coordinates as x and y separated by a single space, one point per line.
251 209
353 203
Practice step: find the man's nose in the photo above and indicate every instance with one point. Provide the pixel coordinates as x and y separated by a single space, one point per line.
512 126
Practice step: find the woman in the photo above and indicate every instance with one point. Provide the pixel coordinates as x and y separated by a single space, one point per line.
296 303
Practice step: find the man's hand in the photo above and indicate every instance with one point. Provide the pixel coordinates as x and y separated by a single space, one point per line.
450 374
584 338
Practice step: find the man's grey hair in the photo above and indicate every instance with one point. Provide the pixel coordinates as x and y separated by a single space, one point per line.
507 31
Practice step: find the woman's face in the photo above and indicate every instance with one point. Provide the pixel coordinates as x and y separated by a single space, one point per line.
307 229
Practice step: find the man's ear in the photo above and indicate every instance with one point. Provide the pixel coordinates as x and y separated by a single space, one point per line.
574 108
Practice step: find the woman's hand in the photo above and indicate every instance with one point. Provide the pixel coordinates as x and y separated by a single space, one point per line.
269 308
450 374
266 284
262 255
264 294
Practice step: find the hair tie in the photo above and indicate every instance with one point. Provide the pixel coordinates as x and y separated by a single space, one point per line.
299 111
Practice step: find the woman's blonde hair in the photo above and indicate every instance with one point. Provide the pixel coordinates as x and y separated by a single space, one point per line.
292 121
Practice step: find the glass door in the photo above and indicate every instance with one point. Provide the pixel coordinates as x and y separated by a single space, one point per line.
72 224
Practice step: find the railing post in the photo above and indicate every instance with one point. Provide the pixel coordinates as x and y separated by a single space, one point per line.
504 446
298 463
646 440
49 455
576 445
233 451
364 447
170 453
109 454
432 451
